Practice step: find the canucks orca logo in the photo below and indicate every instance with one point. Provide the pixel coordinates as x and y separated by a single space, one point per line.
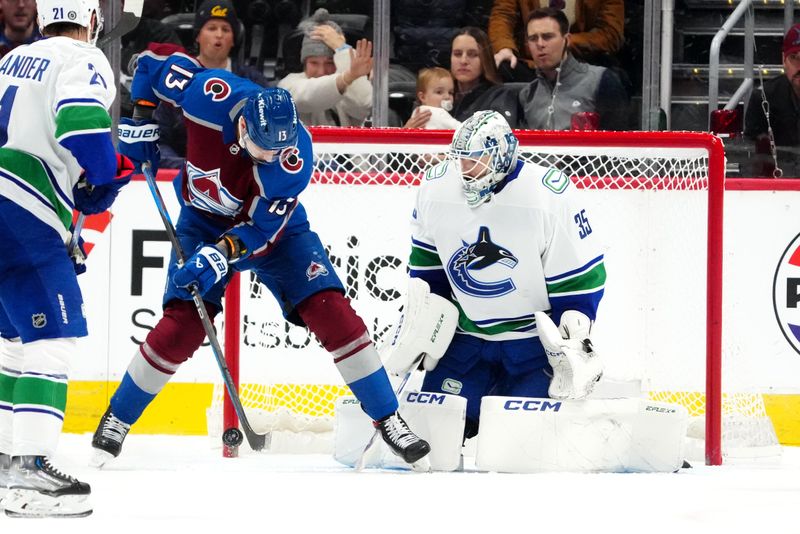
476 256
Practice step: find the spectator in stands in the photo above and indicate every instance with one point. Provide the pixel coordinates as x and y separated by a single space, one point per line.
333 88
565 86
217 32
776 106
477 87
19 24
595 26
149 30
435 91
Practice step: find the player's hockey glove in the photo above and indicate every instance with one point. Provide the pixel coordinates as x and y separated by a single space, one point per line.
576 367
91 200
203 269
138 140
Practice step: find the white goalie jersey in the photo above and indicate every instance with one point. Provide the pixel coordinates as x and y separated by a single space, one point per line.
531 248
54 124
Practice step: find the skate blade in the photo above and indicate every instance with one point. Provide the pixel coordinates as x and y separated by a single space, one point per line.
100 458
30 503
423 465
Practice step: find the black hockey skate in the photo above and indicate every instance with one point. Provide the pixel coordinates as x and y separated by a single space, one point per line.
401 440
37 489
108 438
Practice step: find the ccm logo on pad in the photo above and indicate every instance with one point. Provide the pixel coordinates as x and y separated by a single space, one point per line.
425 398
532 405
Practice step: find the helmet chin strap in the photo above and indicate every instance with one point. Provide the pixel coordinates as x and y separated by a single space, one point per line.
93 31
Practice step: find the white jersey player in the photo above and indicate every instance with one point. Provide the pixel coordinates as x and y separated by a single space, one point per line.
56 154
503 239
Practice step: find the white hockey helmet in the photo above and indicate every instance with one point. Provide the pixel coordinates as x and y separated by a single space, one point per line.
78 12
484 149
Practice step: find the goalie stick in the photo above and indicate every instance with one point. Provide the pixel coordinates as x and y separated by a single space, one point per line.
256 441
131 13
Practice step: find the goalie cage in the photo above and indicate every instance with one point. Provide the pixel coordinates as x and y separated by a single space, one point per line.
657 197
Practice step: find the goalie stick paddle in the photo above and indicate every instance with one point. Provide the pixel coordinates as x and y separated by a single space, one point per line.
256 441
131 13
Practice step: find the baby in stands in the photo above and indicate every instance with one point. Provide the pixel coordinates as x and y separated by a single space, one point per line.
435 91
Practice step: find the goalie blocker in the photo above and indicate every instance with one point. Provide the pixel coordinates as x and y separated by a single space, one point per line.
424 331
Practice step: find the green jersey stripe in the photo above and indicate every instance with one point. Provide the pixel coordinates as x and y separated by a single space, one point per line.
81 119
7 387
42 392
592 279
423 258
465 324
30 170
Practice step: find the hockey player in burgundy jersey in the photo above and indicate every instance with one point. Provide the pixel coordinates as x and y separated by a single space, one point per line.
248 159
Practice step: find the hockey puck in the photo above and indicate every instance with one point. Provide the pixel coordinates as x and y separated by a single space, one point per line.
232 437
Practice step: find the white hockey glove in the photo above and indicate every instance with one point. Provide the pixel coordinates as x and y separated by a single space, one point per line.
424 331
576 367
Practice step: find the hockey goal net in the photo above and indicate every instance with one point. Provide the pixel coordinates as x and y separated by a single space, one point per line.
657 198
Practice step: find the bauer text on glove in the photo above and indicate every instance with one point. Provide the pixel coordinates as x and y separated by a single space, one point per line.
203 269
139 141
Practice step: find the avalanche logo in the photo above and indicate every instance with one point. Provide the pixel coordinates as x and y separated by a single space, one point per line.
315 270
207 193
477 256
786 293
291 161
218 88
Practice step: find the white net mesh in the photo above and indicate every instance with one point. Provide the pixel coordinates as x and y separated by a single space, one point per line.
653 203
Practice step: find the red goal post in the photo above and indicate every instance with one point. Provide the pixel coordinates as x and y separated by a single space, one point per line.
610 161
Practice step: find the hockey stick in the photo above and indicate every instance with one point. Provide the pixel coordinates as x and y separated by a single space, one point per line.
256 441
76 233
131 13
397 392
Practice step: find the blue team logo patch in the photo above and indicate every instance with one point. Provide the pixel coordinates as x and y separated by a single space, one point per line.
316 270
217 88
479 256
786 293
207 193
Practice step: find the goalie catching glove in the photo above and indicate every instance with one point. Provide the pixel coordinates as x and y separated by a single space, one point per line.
424 331
576 367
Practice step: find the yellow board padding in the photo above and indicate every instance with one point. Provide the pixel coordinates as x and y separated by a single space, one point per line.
784 411
181 409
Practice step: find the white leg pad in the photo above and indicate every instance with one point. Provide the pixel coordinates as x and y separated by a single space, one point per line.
527 435
11 366
438 418
38 427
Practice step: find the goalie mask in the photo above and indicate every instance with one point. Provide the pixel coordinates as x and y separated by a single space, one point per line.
484 150
84 13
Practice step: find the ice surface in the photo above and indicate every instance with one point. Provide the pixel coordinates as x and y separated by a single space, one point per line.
181 485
